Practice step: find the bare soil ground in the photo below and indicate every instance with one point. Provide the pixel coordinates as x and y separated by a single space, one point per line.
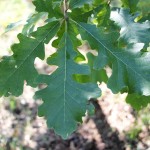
107 129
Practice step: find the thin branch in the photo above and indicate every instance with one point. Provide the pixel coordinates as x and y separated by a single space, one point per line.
65 9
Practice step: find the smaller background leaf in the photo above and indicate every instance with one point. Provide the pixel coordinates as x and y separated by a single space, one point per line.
132 4
138 101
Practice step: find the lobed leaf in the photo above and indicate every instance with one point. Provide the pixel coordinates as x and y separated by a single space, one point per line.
131 31
46 32
95 75
137 101
31 22
20 66
65 100
130 70
96 12
47 6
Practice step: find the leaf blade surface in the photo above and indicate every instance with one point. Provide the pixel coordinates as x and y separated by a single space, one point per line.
64 99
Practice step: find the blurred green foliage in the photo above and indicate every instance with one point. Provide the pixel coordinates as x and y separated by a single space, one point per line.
144 6
13 11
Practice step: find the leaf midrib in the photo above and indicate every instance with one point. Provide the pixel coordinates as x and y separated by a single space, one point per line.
65 77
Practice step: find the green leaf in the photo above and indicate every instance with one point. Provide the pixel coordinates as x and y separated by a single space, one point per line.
143 6
130 70
102 17
131 31
137 101
97 12
28 25
13 26
20 66
46 32
132 4
47 6
95 75
43 5
79 3
31 22
57 3
64 100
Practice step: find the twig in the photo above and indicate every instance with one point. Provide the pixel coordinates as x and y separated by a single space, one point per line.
65 9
